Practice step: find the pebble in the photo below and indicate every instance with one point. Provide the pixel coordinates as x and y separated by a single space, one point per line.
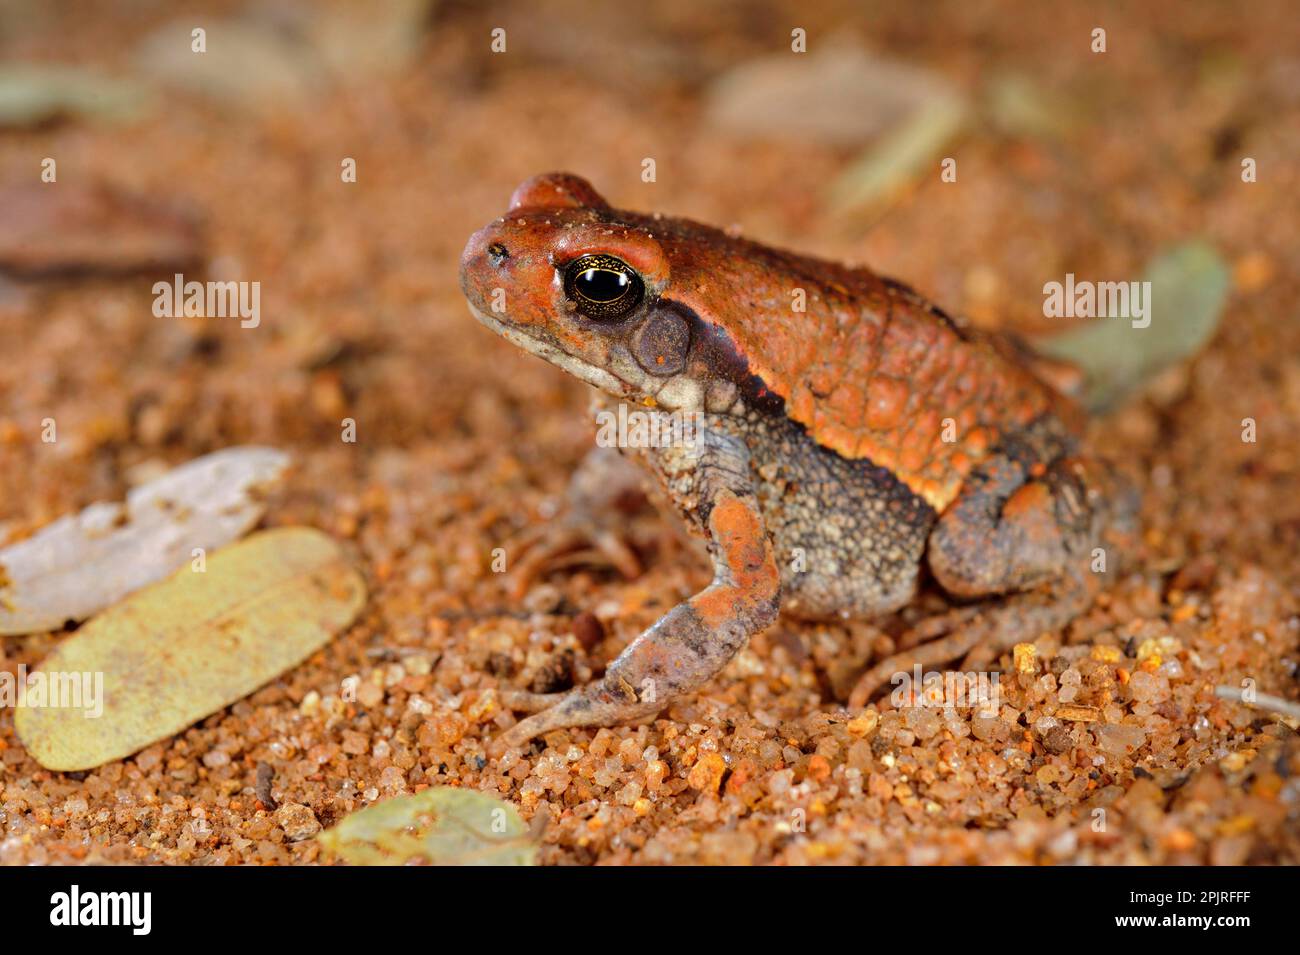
706 774
297 821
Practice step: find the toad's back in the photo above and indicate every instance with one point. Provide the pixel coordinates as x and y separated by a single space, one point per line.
870 368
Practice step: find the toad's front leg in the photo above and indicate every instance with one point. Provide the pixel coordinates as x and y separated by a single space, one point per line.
696 639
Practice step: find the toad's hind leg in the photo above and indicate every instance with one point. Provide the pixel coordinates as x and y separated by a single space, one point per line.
977 638
1016 523
1041 534
1032 509
696 639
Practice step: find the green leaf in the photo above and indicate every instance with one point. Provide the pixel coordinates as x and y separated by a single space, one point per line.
900 157
1189 284
30 95
440 826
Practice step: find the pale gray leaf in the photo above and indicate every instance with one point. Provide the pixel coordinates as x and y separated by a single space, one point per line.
84 562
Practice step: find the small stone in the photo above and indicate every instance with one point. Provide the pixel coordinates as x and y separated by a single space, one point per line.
863 725
148 759
370 694
483 708
418 665
1149 687
1232 850
588 630
923 721
608 772
393 780
1078 714
1119 739
859 756
629 750
819 768
1235 762
991 730
1058 740
1064 845
1025 656
297 821
780 781
543 598
741 774
706 774
216 758
1158 648
1106 654
450 727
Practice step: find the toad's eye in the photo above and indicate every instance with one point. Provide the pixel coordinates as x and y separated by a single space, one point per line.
602 286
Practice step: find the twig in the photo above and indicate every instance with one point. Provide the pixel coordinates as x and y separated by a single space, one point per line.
1263 701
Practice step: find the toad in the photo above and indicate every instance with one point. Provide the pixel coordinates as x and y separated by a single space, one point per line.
851 441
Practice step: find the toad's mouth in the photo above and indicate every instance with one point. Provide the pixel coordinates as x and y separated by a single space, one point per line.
549 351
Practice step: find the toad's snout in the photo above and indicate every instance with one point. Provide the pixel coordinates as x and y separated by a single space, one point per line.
484 255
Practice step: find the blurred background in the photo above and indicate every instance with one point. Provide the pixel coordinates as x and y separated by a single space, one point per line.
226 164
229 161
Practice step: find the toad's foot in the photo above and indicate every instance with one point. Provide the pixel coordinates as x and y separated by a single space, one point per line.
981 637
604 490
690 644
525 701
574 539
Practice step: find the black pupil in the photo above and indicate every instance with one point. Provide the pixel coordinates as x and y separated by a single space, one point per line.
602 285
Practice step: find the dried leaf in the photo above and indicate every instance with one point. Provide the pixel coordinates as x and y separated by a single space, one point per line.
1189 285
378 37
60 229
84 562
841 96
193 644
244 62
901 156
263 61
30 95
440 826
1019 106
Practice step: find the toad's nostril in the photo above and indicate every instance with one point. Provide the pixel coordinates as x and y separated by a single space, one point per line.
497 253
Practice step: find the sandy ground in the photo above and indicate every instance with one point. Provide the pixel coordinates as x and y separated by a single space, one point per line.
463 443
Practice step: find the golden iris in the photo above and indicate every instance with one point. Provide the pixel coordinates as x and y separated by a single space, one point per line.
602 286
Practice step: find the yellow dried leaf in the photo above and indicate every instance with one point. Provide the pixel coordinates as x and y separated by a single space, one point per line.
184 648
